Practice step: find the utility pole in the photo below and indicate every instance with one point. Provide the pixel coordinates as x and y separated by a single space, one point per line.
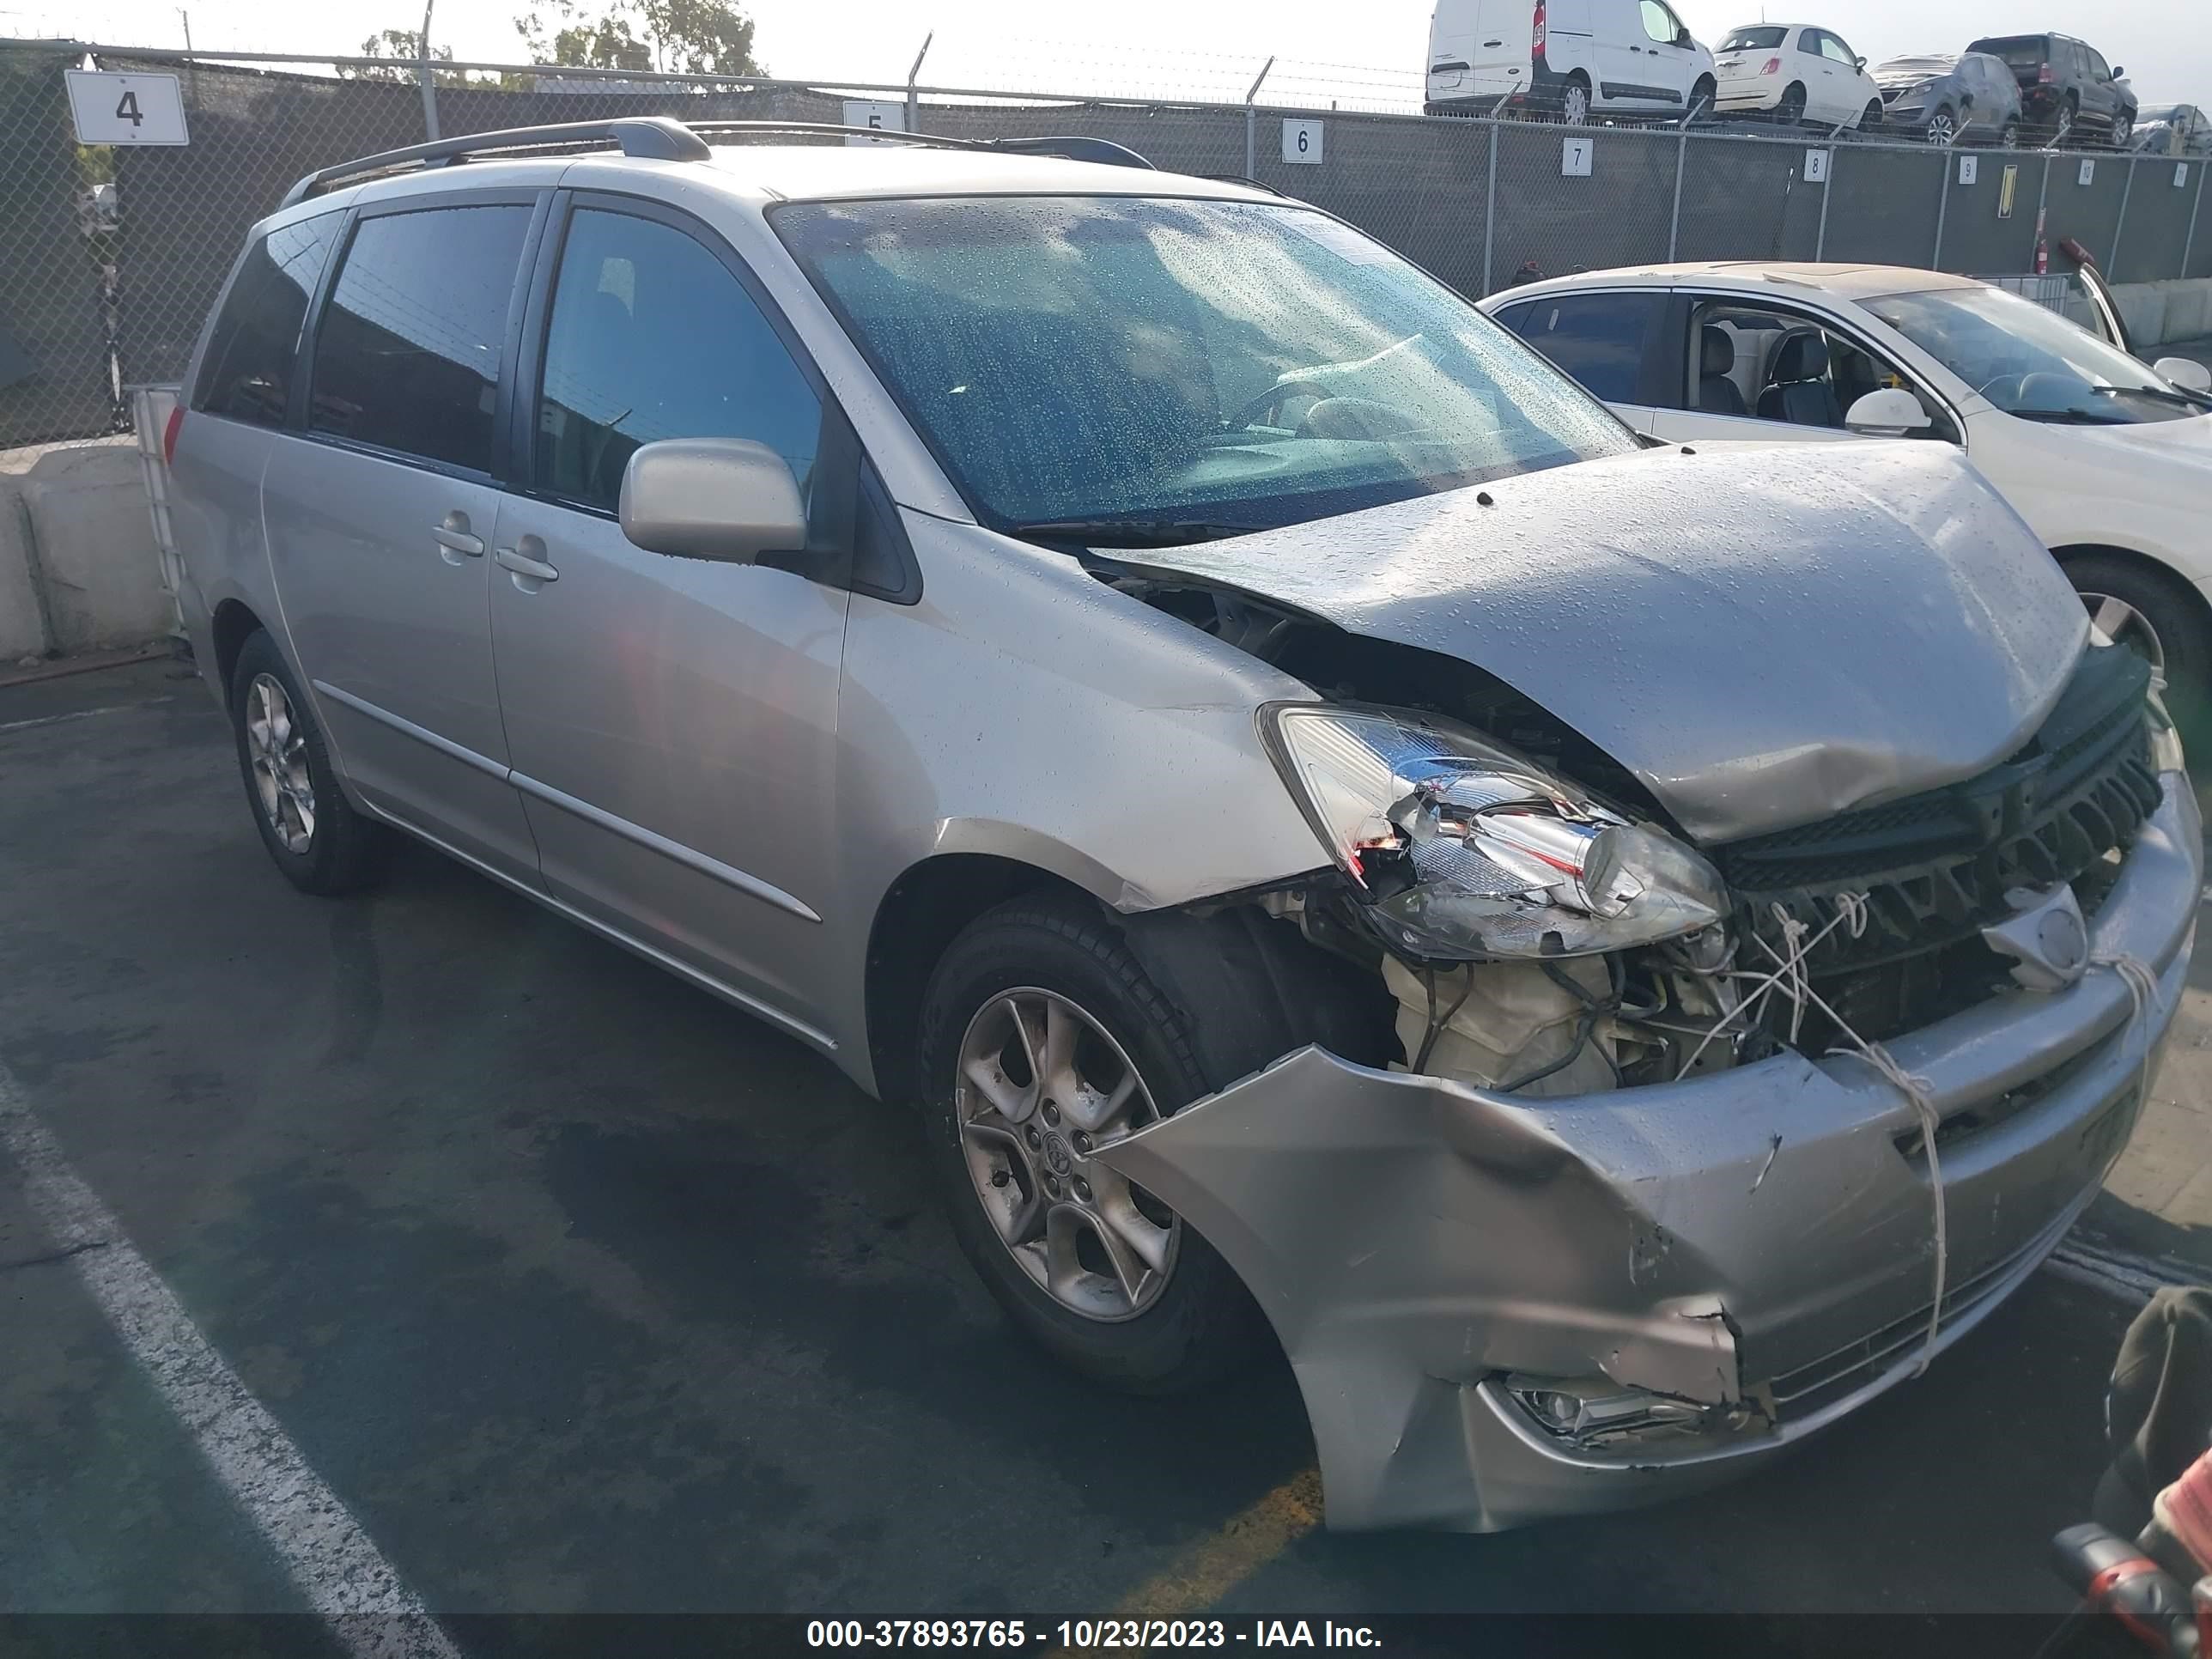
912 75
422 69
1251 117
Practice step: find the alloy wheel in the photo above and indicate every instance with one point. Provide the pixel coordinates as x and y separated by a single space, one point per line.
2123 624
1942 130
277 749
1041 1087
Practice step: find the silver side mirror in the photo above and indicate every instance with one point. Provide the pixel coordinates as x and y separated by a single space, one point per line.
1892 412
2189 376
729 499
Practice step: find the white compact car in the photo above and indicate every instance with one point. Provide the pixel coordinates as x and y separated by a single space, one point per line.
1795 73
1574 59
2108 460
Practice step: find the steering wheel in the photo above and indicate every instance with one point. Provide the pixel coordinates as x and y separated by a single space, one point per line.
2008 396
1269 401
1356 418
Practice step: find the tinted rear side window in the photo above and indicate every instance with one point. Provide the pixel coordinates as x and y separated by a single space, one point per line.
248 372
407 357
1596 338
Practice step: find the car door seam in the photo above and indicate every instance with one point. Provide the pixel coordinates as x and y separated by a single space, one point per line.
422 735
690 857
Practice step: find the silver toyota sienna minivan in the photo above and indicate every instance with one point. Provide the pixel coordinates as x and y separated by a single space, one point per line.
1611 956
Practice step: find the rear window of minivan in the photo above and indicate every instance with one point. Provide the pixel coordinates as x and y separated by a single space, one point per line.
247 372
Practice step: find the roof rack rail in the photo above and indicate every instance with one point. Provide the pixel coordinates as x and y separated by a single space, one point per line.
1248 181
1075 147
654 137
663 138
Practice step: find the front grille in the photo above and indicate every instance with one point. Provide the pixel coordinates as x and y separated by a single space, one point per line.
1800 1393
1936 868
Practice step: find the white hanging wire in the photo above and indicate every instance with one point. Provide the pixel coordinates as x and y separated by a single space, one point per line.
1791 980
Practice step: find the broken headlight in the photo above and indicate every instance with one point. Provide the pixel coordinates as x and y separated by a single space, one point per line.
1469 852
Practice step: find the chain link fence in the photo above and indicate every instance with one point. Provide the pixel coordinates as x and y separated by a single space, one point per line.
113 254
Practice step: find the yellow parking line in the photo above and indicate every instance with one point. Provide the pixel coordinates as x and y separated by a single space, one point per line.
1247 1542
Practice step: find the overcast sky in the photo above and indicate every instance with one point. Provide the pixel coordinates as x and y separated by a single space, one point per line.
1191 46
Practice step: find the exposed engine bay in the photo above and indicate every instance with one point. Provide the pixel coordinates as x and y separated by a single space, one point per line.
1507 982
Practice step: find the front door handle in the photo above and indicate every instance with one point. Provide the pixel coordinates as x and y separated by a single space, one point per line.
452 535
521 563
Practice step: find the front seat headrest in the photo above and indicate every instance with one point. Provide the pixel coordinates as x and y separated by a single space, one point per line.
1802 358
1719 351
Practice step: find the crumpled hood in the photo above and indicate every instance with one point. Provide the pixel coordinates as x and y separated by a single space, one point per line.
1766 637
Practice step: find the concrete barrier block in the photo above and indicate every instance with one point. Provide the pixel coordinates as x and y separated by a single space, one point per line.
22 630
94 540
2142 308
2188 309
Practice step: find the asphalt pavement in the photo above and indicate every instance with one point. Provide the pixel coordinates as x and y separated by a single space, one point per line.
580 1291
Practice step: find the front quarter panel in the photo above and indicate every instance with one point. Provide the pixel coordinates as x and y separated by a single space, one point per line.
1026 710
2077 488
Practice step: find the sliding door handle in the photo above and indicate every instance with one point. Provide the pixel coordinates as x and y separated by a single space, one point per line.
452 533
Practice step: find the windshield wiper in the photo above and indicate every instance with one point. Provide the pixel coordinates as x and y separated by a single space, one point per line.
1130 532
2165 395
2071 417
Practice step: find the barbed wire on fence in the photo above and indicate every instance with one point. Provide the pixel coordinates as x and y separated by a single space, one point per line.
115 254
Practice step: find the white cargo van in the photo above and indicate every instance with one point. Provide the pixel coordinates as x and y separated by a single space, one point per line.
1571 58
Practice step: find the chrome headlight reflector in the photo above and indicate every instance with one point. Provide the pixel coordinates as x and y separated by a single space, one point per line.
2165 750
1469 852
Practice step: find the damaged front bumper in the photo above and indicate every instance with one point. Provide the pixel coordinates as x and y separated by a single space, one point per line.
1750 1251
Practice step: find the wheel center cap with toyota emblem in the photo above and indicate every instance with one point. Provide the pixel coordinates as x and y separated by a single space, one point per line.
1059 1156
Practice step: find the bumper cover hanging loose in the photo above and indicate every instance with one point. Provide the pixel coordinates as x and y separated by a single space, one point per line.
1750 1249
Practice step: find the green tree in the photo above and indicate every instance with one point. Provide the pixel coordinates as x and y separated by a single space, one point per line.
404 48
678 37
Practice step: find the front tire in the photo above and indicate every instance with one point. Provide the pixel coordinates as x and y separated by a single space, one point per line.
1043 1037
1870 116
1943 128
310 829
2153 614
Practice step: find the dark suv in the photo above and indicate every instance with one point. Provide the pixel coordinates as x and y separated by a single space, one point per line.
2066 88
